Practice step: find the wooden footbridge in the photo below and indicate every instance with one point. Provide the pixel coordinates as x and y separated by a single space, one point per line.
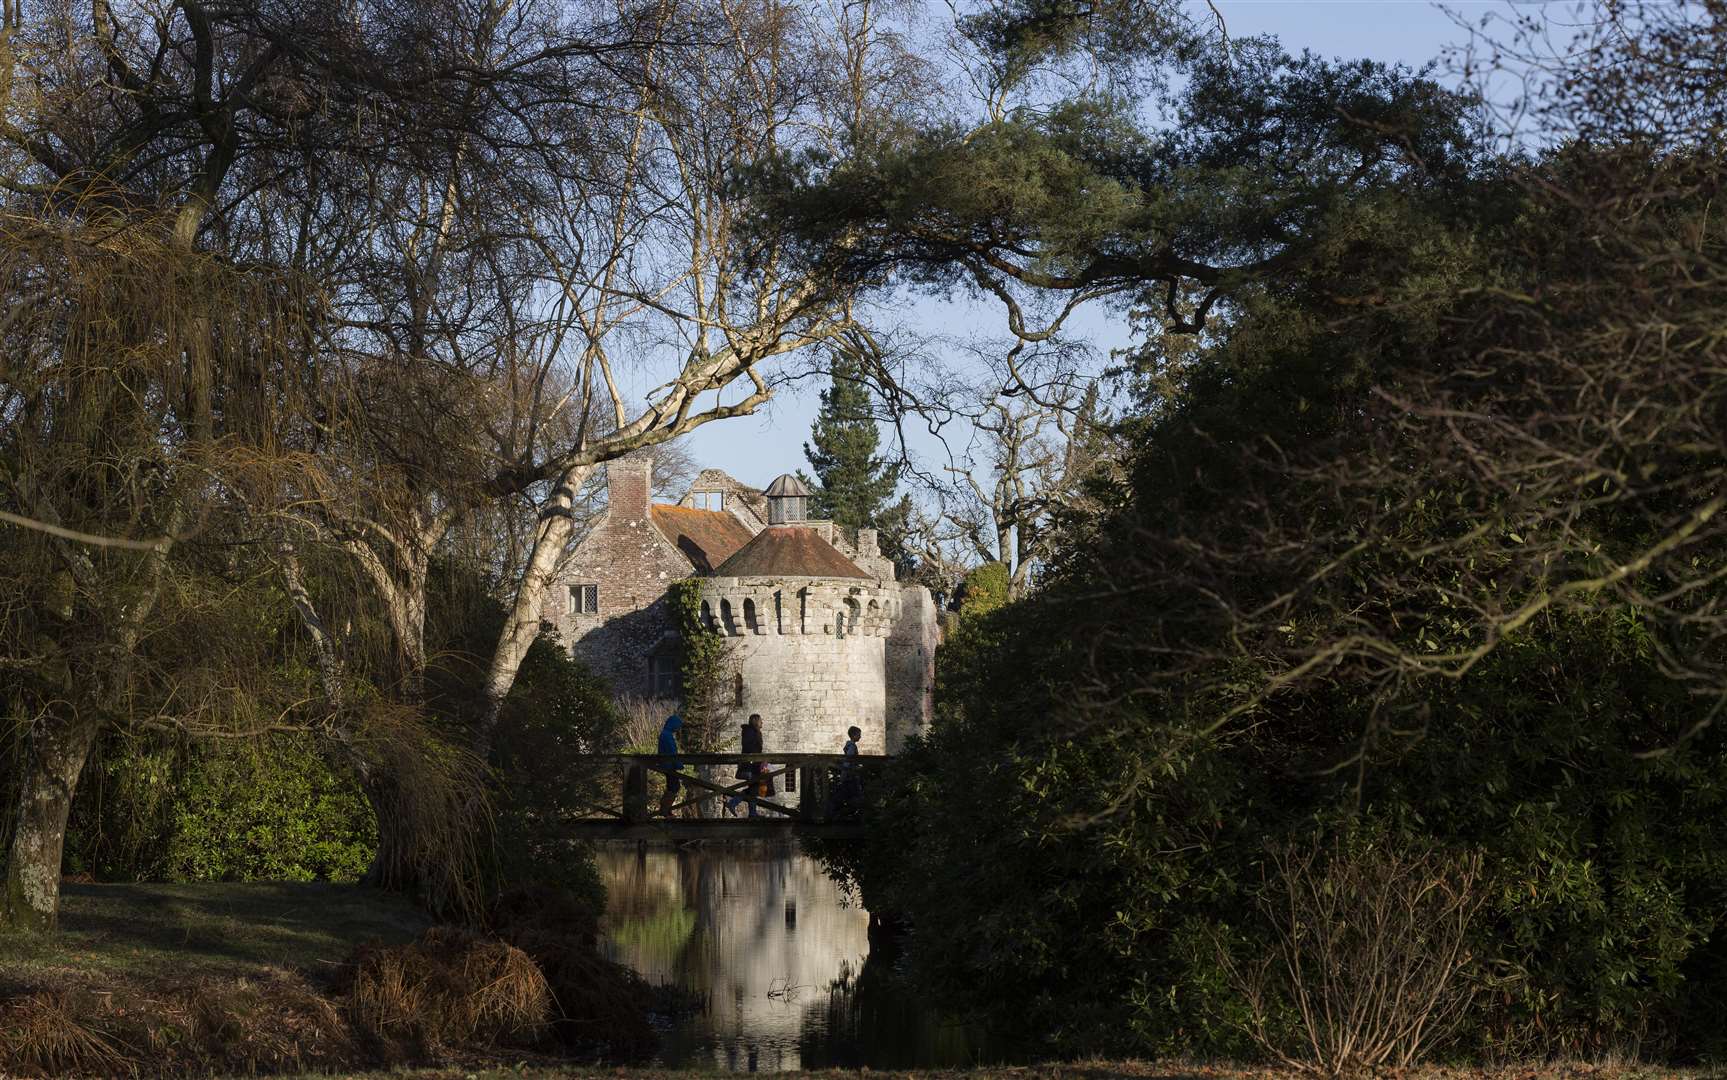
816 795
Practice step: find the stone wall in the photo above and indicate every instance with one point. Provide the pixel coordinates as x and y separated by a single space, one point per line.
812 656
816 655
633 564
911 649
745 503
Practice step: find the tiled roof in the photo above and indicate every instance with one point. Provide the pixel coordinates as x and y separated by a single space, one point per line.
789 551
706 537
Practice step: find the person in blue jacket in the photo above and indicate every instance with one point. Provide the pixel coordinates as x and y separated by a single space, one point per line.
668 748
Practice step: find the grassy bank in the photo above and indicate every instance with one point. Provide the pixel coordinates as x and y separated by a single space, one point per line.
287 978
1082 1070
119 934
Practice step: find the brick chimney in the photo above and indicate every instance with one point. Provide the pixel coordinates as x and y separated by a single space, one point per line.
629 487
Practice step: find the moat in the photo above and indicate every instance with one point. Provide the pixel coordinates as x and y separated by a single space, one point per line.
780 958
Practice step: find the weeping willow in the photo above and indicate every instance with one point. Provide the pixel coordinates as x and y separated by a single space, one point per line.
167 417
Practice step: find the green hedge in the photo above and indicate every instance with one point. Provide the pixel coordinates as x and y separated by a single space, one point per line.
273 809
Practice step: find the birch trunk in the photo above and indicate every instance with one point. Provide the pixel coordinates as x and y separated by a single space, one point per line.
550 538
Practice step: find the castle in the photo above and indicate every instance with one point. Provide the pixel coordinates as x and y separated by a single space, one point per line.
821 636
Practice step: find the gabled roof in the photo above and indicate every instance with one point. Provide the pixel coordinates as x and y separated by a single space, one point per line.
789 551
706 537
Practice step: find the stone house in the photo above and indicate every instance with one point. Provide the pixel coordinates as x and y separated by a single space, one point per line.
821 635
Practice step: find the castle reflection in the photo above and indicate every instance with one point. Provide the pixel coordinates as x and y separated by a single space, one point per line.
767 940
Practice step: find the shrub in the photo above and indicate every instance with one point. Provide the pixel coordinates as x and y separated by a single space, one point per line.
1371 946
271 812
271 809
557 712
1076 866
984 589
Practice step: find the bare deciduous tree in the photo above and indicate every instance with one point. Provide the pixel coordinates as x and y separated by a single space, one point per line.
531 252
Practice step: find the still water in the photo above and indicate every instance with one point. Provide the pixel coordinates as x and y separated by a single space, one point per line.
782 961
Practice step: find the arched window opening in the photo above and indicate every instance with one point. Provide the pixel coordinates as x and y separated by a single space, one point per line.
851 613
707 615
738 688
873 623
728 621
751 622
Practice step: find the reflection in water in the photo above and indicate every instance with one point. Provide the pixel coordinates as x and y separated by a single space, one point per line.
765 937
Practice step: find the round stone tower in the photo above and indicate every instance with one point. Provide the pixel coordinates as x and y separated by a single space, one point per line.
808 630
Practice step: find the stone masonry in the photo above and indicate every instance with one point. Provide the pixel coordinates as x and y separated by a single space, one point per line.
632 563
811 658
821 635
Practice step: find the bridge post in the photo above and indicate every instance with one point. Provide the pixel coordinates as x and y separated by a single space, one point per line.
813 794
636 794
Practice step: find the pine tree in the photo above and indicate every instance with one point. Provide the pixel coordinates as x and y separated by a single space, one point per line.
851 483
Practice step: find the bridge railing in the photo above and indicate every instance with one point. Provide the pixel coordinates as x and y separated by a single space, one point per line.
811 789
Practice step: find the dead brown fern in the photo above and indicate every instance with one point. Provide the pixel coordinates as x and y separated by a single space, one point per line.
52 1033
449 988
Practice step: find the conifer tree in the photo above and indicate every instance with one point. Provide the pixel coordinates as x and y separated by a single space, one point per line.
851 483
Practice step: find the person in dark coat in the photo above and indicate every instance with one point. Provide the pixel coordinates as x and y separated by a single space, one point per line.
851 780
751 735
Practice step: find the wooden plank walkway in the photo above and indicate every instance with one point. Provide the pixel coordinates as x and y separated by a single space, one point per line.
814 795
761 828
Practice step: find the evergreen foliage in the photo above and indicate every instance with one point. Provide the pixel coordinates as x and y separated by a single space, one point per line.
558 712
852 484
984 589
706 668
1092 812
164 809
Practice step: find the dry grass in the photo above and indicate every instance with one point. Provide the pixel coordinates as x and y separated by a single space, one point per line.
600 1006
173 980
272 1024
1080 1070
50 1033
447 989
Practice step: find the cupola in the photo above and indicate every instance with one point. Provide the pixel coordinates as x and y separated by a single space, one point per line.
788 501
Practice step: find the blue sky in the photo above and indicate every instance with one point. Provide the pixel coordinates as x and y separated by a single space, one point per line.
756 449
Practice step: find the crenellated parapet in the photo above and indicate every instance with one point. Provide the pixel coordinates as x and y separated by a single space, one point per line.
800 607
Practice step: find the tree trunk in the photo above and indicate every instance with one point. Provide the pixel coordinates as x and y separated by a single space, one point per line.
54 756
524 620
59 742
